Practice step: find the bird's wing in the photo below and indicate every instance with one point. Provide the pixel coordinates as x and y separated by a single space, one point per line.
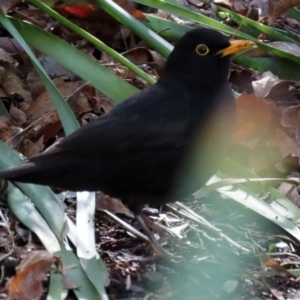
138 124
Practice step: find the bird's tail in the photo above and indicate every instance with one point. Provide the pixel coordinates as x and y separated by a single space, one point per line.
26 172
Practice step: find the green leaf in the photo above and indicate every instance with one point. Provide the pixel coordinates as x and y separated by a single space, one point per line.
99 44
150 37
101 78
281 67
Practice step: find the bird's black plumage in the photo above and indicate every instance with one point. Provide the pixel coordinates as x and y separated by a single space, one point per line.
142 151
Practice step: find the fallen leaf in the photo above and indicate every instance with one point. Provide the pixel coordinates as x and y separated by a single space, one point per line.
34 148
287 145
265 86
104 202
274 265
254 117
278 7
291 118
13 86
9 132
5 5
17 115
291 192
5 57
141 55
90 11
33 270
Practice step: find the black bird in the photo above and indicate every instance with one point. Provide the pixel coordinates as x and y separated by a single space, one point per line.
144 150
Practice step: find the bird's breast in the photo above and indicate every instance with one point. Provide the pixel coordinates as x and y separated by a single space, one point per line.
208 141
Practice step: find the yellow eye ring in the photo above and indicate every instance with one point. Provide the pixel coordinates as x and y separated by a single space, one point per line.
202 49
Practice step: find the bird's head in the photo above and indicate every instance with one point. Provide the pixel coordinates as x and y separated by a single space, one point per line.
202 56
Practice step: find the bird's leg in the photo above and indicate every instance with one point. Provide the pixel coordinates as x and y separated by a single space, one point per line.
158 250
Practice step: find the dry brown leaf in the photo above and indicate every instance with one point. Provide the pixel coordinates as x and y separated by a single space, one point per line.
35 16
34 148
291 192
104 202
254 117
287 145
100 103
5 57
254 7
223 3
237 6
33 270
277 294
80 103
196 3
23 106
3 94
13 86
5 5
269 84
141 55
262 86
17 115
291 118
43 115
11 47
55 69
90 11
42 105
274 265
9 132
278 7
48 131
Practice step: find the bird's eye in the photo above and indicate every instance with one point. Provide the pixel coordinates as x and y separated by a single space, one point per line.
202 49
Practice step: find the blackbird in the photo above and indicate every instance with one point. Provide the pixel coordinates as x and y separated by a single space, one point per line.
145 149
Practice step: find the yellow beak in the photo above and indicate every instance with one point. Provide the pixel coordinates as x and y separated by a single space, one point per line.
235 47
